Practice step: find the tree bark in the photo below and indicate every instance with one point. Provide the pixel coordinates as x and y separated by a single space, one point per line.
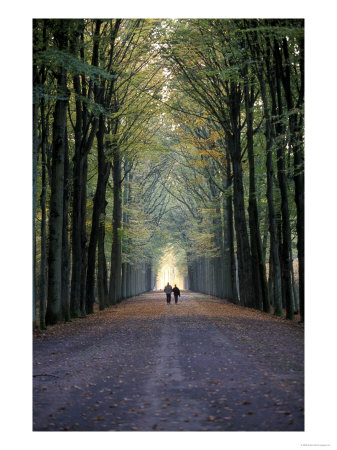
98 224
102 283
43 262
258 263
75 301
274 243
243 249
286 233
229 232
116 251
65 292
83 143
296 141
43 196
84 252
54 310
35 158
275 280
126 198
216 283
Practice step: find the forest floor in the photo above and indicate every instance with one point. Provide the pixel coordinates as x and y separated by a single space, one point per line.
201 365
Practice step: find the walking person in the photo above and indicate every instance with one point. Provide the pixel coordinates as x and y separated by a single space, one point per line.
168 290
176 293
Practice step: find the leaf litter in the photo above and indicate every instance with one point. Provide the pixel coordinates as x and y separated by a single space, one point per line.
204 364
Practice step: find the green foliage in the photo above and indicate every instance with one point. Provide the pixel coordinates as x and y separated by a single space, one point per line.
54 58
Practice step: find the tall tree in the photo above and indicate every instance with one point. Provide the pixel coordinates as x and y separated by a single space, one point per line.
85 130
286 233
36 82
103 95
260 69
54 310
259 266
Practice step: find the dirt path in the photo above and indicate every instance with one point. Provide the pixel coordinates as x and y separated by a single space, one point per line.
200 365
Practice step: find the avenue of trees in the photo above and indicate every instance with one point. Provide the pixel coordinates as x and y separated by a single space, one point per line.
150 133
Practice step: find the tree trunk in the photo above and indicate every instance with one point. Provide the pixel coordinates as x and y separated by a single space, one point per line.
258 263
295 291
79 238
98 225
229 233
35 146
216 280
265 237
271 283
286 233
102 278
243 250
83 144
274 244
296 140
116 251
124 277
190 271
54 310
43 263
275 280
87 141
84 166
90 279
43 196
75 301
102 286
299 199
128 280
126 198
35 158
65 293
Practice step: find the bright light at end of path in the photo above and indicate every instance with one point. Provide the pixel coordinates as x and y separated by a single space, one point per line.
168 272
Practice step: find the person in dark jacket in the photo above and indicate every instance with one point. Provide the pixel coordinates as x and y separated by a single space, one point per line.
168 290
176 293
